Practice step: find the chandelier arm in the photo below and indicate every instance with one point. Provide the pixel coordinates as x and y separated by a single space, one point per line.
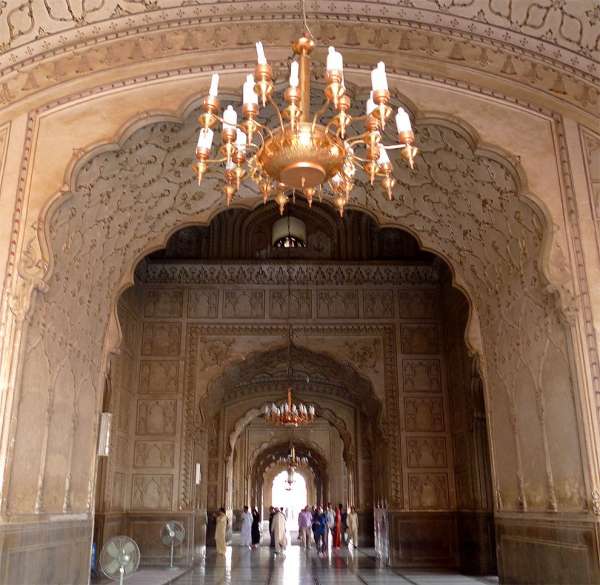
360 139
323 109
274 104
394 146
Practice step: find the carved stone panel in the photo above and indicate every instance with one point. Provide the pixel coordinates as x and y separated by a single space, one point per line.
417 304
337 304
203 303
211 496
161 339
157 417
154 454
122 451
426 452
364 354
378 304
300 304
421 339
424 414
158 376
117 498
152 492
163 303
422 375
243 304
428 491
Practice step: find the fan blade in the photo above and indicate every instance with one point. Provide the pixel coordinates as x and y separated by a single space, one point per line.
128 547
112 550
112 567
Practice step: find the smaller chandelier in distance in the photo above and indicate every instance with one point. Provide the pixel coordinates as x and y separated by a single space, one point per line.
316 154
288 413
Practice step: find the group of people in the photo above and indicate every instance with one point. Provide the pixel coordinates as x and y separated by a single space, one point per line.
335 525
326 525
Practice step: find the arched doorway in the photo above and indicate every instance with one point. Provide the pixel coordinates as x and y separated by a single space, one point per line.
291 496
538 381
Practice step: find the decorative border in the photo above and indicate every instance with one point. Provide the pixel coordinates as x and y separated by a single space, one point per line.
279 273
444 21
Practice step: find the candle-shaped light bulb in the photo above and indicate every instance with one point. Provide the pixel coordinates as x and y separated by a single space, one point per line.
229 118
403 121
214 85
383 156
370 104
250 96
240 141
294 74
205 139
379 78
335 61
260 54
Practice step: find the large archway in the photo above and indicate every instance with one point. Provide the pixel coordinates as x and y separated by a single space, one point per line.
464 202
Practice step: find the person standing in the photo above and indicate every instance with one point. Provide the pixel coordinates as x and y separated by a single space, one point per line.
353 526
221 532
330 515
279 531
271 515
337 531
246 531
255 528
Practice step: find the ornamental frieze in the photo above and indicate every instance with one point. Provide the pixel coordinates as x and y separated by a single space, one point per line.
298 273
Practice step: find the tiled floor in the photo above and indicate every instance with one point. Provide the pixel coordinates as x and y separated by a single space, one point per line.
300 567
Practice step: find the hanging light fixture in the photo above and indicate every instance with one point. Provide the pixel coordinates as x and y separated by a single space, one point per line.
316 153
289 413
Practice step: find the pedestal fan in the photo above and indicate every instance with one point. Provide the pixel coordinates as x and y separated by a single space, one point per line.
171 534
120 557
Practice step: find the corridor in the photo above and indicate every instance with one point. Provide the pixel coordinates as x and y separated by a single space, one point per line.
300 567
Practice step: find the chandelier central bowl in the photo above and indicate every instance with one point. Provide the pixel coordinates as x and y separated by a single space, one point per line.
304 157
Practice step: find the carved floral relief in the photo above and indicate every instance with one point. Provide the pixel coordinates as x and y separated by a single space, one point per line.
424 414
159 376
151 492
420 339
163 303
161 339
154 454
203 303
337 304
157 417
243 304
422 375
428 491
378 304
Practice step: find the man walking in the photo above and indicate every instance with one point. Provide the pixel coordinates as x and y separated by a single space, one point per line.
304 526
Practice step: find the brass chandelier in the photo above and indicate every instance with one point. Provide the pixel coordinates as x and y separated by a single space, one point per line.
288 413
304 153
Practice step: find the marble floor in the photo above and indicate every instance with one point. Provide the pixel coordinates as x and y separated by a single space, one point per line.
300 567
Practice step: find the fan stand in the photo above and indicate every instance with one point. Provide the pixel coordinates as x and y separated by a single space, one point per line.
122 575
172 553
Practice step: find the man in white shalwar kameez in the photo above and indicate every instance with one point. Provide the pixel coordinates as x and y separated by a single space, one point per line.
279 531
246 531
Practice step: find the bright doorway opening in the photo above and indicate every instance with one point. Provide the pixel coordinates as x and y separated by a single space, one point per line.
291 498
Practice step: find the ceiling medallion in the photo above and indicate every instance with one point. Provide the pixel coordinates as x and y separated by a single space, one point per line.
310 154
